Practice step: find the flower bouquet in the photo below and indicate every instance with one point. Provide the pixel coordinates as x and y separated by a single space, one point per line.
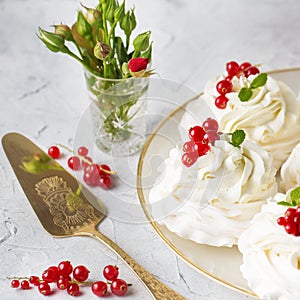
115 68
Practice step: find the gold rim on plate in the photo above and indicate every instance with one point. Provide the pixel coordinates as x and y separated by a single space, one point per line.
155 225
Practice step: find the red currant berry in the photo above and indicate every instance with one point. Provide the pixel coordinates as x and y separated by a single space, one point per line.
84 162
15 283
44 288
25 285
73 289
290 214
89 179
210 124
251 71
244 66
63 283
34 280
105 182
212 136
189 158
74 163
202 147
65 268
291 228
119 287
281 221
54 152
81 273
51 274
196 133
111 272
99 288
224 87
103 168
221 102
189 146
83 151
232 68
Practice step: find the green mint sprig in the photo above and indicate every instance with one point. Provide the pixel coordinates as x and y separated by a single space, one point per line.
237 138
260 80
294 198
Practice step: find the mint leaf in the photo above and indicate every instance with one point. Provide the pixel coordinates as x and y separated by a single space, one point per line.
259 80
237 138
284 203
295 196
245 94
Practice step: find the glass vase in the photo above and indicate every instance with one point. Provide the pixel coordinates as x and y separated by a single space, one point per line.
118 108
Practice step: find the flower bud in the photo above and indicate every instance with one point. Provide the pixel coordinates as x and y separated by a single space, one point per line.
101 50
141 42
137 66
148 53
109 13
53 41
128 22
119 11
83 26
92 15
64 31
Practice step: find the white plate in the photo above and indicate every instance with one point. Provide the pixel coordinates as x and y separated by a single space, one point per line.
219 263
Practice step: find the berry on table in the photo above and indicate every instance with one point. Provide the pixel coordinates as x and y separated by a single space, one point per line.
44 288
25 285
73 289
34 280
15 283
244 66
99 288
111 272
104 182
54 152
83 151
65 268
74 163
81 273
119 287
63 283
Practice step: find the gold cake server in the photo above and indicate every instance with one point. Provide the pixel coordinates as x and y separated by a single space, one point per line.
63 212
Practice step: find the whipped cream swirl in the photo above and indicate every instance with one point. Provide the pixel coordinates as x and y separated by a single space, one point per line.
271 257
219 195
271 117
290 171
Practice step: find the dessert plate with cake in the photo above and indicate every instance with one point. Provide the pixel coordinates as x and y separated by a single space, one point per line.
223 158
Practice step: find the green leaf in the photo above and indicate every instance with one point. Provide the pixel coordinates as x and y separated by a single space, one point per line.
121 51
295 196
284 203
259 80
83 26
238 138
245 94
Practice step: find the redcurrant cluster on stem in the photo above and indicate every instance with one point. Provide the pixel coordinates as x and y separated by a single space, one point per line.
93 174
200 138
225 86
291 221
60 276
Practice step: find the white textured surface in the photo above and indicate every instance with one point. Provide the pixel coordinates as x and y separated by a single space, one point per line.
43 96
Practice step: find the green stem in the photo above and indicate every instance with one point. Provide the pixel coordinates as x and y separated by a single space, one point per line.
127 42
104 23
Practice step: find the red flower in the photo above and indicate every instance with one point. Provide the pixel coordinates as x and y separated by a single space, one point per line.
138 64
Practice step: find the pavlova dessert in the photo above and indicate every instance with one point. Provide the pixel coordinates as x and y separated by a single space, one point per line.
271 249
266 109
219 181
290 170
